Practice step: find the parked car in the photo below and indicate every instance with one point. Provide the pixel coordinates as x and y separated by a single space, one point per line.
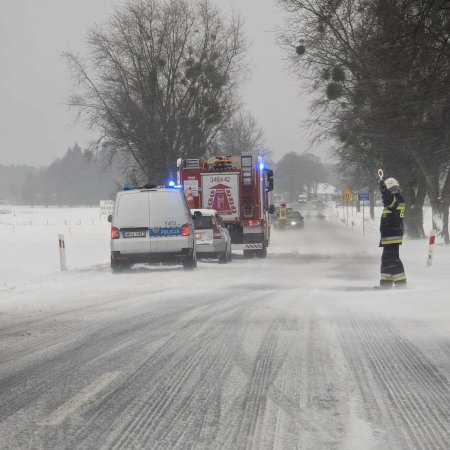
212 237
150 225
295 220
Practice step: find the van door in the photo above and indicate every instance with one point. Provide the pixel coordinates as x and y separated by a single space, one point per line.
168 213
132 218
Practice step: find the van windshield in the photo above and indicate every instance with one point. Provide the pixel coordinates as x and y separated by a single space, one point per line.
203 223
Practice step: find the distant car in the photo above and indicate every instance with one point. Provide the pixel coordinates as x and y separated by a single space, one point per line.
149 225
295 220
212 237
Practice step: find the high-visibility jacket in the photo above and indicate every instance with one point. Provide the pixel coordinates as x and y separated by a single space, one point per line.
391 224
282 213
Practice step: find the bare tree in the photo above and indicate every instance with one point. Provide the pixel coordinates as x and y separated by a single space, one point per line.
300 173
160 80
242 134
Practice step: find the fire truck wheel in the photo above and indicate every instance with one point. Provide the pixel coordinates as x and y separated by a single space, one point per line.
261 253
249 253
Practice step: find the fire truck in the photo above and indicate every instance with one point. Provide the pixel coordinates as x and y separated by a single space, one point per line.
237 187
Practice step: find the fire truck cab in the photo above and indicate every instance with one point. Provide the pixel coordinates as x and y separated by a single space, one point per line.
237 187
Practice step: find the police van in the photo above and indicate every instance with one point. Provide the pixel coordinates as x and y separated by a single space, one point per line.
151 225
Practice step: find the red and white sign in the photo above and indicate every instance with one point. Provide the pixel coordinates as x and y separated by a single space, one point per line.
192 185
221 192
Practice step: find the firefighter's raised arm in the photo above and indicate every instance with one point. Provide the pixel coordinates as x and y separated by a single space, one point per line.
390 200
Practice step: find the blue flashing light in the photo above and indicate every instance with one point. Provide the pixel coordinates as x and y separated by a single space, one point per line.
261 166
171 183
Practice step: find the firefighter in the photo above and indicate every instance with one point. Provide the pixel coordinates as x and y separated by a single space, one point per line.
391 229
282 216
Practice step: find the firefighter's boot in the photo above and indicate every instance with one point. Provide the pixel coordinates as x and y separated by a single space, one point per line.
386 284
401 284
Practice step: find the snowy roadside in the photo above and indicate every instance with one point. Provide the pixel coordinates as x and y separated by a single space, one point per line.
29 243
413 252
427 294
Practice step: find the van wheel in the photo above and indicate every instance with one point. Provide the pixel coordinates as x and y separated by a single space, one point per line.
190 262
118 267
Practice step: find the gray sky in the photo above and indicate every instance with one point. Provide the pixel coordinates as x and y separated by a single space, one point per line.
35 125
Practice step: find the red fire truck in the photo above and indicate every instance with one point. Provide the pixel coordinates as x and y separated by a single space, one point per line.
237 187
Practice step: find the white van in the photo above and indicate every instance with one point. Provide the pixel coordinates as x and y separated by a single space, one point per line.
151 224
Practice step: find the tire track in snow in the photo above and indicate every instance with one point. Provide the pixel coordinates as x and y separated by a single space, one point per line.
414 400
159 401
245 426
124 395
223 339
25 386
420 392
281 388
40 377
17 350
318 391
170 368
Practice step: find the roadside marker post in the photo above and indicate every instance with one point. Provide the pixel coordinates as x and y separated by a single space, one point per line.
363 198
62 252
431 242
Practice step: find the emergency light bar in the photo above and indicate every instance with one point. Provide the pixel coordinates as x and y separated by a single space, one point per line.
129 187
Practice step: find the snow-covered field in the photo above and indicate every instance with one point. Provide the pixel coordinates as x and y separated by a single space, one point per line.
29 242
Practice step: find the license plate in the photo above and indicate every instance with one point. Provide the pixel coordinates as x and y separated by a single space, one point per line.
132 234
198 236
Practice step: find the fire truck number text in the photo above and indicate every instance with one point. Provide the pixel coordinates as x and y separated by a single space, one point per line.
219 179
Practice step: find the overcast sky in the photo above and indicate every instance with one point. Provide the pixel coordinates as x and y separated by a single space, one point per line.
35 125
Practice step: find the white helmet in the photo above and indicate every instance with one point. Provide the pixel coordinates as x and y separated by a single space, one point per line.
392 183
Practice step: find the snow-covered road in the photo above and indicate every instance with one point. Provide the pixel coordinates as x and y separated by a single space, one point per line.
294 351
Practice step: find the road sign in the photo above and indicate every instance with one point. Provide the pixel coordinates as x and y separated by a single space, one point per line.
106 207
347 195
363 197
